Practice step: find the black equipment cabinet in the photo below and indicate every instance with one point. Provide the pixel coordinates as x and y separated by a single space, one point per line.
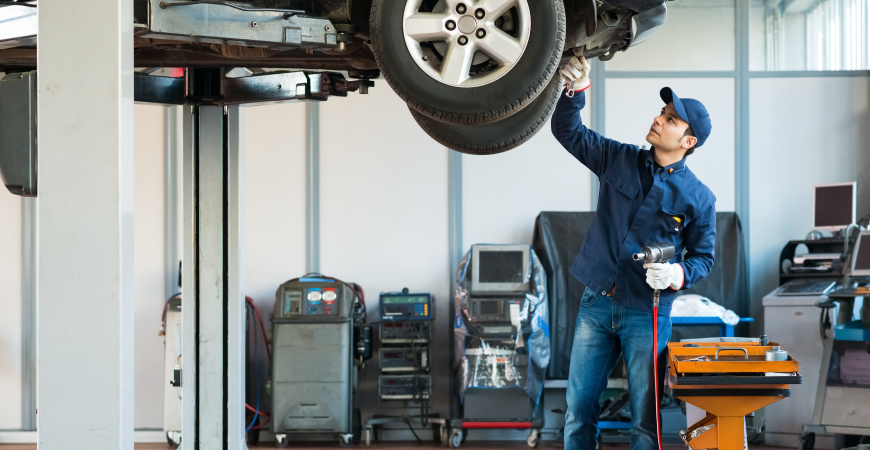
829 245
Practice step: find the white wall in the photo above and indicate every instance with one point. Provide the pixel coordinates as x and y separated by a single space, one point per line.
383 191
804 131
274 206
148 265
633 103
503 194
383 211
274 200
10 310
697 35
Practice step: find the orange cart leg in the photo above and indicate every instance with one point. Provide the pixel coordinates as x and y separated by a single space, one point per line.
731 431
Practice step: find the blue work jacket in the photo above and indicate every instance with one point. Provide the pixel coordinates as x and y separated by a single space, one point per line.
678 208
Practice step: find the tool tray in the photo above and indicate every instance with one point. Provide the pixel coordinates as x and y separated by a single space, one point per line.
728 363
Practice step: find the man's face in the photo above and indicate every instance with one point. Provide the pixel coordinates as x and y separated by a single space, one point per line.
668 130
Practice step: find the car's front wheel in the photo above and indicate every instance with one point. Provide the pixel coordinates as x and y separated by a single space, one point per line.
495 137
468 61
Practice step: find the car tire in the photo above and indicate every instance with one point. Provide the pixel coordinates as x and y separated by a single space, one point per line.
495 137
519 84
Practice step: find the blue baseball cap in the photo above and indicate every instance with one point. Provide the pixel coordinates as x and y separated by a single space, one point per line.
692 111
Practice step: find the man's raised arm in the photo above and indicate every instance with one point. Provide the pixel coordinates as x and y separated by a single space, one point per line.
589 147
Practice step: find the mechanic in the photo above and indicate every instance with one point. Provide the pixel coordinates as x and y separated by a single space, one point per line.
646 196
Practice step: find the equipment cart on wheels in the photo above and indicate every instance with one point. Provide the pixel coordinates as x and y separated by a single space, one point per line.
459 429
728 381
843 396
501 331
313 361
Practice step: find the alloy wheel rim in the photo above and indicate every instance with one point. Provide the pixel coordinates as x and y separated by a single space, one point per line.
479 50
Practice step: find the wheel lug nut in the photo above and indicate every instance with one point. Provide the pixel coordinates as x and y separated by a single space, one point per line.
463 40
479 14
481 33
460 8
451 25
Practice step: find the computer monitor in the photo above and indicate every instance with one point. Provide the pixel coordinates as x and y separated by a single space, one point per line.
861 256
834 206
499 268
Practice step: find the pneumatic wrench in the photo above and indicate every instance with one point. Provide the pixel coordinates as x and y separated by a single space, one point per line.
660 252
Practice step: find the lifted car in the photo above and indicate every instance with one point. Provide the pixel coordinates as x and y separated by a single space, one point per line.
479 76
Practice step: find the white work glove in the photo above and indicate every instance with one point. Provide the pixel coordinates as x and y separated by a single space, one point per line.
575 75
664 275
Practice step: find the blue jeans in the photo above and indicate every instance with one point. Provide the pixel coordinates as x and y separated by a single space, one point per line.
603 331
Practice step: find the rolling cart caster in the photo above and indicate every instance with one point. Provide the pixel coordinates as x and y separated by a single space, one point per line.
807 441
281 441
346 440
534 438
444 436
173 438
456 438
368 437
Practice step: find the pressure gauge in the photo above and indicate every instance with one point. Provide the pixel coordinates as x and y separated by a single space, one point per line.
314 296
329 296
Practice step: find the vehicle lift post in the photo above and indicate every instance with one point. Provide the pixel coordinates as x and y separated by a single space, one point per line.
213 220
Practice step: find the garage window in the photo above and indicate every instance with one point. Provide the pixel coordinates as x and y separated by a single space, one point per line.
810 35
837 35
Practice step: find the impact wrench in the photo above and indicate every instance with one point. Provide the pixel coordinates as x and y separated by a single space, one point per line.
660 252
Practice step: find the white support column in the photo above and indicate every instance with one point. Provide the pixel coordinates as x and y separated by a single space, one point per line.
211 278
85 231
235 226
189 309
213 284
29 291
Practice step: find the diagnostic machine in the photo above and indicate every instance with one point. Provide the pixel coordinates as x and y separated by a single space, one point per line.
313 360
404 357
405 332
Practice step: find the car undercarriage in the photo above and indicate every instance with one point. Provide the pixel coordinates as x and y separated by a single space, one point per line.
458 62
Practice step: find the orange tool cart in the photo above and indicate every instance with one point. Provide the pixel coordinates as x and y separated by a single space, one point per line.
728 380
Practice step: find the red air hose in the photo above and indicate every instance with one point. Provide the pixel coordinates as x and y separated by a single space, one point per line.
656 369
262 329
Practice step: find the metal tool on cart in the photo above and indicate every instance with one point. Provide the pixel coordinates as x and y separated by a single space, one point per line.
728 381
